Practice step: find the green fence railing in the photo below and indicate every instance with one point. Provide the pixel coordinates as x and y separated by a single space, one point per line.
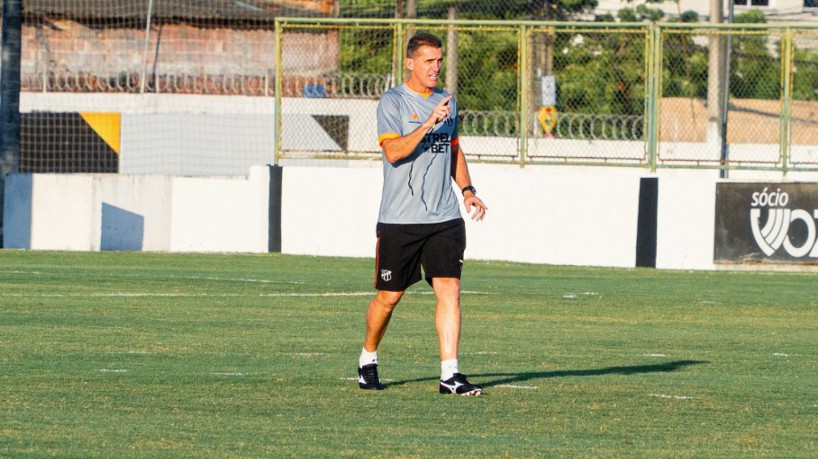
667 95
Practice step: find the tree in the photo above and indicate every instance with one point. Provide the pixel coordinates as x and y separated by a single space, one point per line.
685 63
805 80
755 74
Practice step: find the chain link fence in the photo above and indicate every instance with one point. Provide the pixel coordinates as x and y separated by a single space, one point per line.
627 94
598 105
332 114
763 115
191 46
804 99
199 83
697 100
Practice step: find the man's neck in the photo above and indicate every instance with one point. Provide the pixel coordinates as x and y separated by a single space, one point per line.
419 88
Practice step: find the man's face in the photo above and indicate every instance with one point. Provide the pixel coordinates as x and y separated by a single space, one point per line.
424 66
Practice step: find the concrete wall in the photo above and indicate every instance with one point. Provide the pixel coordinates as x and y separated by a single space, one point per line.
553 215
87 212
220 214
537 214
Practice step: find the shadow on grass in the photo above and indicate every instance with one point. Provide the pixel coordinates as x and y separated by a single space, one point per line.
513 378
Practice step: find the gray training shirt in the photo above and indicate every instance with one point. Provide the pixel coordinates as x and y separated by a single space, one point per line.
418 188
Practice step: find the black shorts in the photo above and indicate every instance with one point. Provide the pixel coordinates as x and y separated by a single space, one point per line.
403 249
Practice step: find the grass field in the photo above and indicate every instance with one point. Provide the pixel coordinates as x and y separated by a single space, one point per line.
170 355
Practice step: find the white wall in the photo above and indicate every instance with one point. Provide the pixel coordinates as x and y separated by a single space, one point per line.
556 215
220 214
686 219
560 215
141 220
330 211
86 212
61 213
553 215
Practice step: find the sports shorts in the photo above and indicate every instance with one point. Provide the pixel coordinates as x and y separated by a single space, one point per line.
403 249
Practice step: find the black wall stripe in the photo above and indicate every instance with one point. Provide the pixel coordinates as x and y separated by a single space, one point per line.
647 222
274 215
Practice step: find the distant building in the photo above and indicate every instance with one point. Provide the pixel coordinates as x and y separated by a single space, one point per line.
774 10
214 47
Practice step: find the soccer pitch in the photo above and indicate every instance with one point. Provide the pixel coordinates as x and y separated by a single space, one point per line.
183 355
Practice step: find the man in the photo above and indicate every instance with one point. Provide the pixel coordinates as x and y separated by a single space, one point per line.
419 223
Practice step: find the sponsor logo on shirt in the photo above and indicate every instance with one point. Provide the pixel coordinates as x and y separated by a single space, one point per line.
436 143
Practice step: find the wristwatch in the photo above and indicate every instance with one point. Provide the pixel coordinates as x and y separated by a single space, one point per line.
469 188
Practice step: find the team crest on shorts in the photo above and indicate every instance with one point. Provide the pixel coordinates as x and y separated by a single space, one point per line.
386 275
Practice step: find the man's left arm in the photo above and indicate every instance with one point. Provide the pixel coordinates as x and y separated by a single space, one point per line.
460 174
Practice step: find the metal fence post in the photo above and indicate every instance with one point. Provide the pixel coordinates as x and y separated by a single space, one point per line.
143 83
653 77
279 71
399 49
523 91
787 63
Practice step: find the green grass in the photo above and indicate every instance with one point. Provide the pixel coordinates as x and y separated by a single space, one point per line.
170 355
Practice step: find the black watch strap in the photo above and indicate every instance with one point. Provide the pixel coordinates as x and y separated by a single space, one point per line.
469 188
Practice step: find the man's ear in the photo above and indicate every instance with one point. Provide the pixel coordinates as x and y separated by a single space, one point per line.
409 63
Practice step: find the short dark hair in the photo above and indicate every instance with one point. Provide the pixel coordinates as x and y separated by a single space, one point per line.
422 39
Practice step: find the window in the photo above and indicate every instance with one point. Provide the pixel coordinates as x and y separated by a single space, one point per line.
752 2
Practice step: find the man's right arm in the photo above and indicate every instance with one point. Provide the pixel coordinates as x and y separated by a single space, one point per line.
397 148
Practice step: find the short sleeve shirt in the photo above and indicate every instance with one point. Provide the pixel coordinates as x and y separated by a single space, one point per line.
418 188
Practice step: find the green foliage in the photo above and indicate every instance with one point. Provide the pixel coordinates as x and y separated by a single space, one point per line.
601 73
643 12
805 80
627 15
689 17
684 67
365 50
646 13
561 10
474 9
488 71
754 72
558 10
750 17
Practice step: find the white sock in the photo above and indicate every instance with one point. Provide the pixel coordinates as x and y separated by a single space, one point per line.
448 368
367 358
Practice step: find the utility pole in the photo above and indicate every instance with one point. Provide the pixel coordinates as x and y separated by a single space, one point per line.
411 9
541 57
716 131
725 147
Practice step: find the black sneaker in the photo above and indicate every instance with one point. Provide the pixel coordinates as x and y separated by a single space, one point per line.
368 377
458 384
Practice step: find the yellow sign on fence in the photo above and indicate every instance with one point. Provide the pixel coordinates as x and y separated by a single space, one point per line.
548 119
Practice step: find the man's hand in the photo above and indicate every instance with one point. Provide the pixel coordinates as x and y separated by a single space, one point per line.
479 208
439 113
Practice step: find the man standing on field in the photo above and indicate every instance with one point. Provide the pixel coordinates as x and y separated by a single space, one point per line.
419 223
